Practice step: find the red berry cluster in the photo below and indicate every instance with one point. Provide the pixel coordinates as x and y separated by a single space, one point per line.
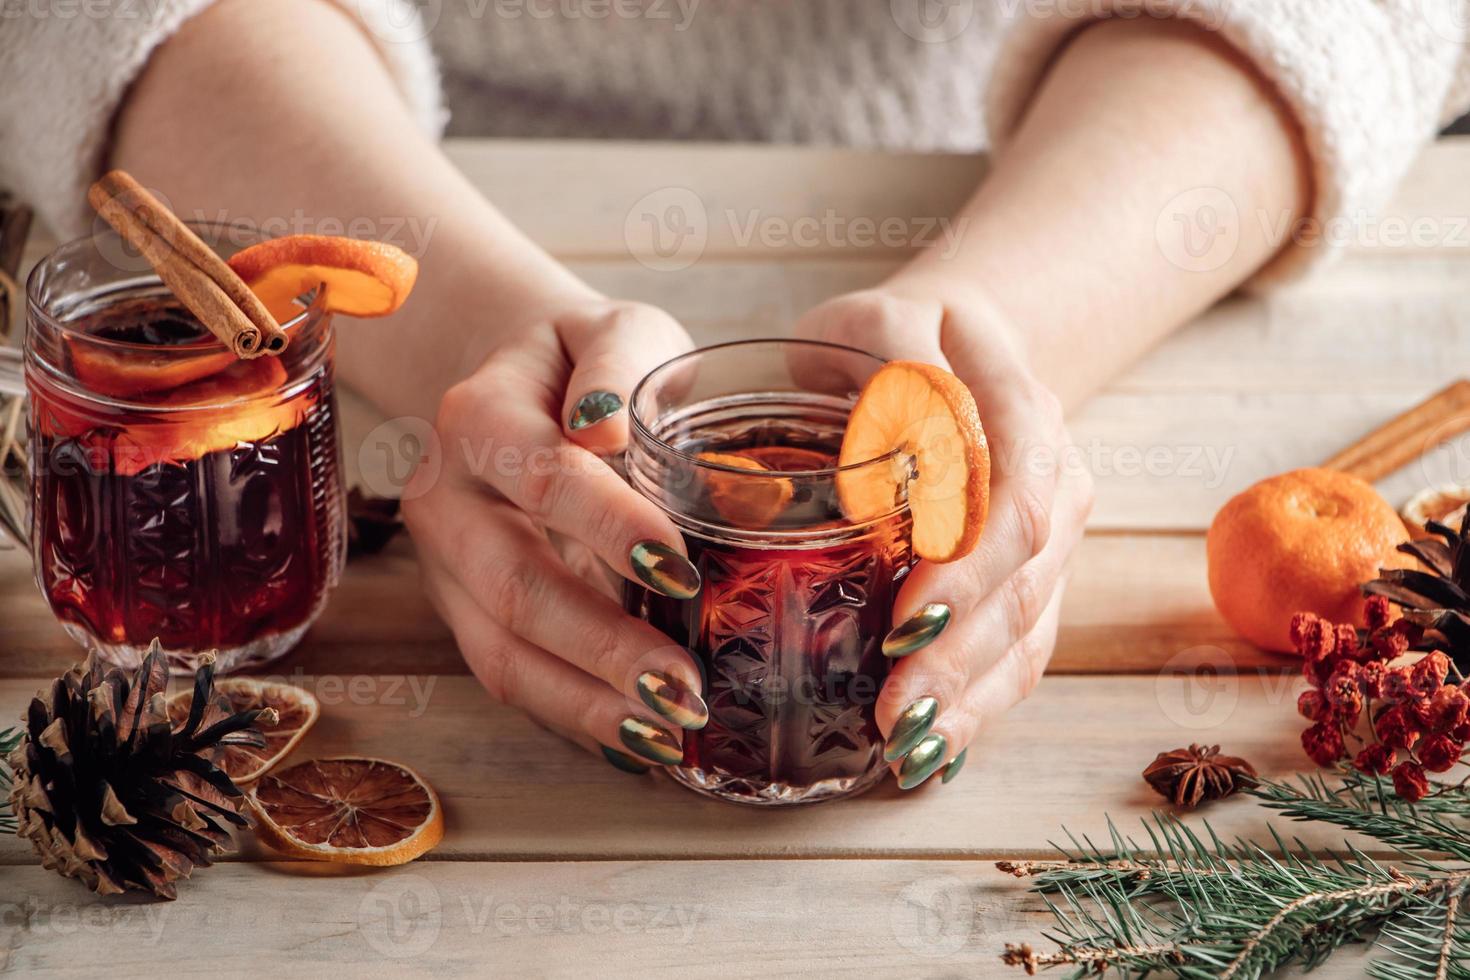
1418 721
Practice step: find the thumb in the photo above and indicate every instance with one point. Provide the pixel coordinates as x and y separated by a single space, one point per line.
611 349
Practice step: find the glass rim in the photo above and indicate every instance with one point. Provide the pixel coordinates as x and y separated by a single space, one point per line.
641 428
210 345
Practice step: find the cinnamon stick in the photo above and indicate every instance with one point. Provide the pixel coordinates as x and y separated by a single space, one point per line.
1403 439
201 280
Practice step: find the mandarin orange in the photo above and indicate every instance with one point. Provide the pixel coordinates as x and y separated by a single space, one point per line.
1301 541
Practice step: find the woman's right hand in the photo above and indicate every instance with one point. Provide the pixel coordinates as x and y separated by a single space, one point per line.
523 447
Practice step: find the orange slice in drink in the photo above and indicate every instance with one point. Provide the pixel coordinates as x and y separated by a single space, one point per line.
363 278
746 502
927 418
348 811
296 712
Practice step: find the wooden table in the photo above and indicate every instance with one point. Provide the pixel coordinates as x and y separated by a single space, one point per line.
557 864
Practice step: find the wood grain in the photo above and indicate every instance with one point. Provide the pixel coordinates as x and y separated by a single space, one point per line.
1073 753
675 919
886 882
1136 602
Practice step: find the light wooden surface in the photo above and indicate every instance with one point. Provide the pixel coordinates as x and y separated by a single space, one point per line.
555 864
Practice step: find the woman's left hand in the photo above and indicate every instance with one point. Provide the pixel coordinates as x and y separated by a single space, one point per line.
973 635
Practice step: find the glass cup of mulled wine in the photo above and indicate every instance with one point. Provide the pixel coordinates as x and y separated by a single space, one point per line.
177 492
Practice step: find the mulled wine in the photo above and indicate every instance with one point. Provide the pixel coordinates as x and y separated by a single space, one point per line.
796 599
178 492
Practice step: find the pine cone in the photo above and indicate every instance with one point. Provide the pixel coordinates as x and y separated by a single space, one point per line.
107 792
1436 599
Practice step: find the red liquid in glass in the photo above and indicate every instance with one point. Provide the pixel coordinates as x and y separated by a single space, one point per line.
209 528
789 640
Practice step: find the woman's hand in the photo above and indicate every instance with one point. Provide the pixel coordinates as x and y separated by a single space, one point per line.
523 445
974 635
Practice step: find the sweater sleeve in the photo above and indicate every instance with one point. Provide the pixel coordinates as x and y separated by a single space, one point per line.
63 78
1369 82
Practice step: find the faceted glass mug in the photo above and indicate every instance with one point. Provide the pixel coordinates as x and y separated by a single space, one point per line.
176 492
738 444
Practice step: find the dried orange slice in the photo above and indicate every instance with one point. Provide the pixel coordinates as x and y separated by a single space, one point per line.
363 278
296 712
928 417
749 503
348 811
1444 504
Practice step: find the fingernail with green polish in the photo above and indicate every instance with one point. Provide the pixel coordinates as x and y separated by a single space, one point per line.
594 407
664 570
953 769
918 631
623 761
922 761
913 724
650 741
673 699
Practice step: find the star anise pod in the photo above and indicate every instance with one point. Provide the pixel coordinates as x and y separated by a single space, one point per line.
1189 777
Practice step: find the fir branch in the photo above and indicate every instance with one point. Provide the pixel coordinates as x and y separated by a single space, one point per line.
1368 805
9 739
1194 905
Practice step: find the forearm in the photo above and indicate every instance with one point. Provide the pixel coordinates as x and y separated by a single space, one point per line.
1069 235
282 111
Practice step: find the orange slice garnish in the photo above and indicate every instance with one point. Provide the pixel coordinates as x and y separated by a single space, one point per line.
348 811
296 712
928 418
128 375
748 503
363 278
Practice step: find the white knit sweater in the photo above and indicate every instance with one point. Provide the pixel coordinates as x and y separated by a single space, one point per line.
1369 80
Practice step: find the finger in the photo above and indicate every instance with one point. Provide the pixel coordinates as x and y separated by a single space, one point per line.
879 323
548 688
611 353
515 577
1023 424
561 485
1010 681
923 685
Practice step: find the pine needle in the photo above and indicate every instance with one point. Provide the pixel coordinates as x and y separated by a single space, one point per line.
1191 904
9 739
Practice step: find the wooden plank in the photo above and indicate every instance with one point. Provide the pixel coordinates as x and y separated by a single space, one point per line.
1136 601
542 187
617 918
1073 752
716 191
